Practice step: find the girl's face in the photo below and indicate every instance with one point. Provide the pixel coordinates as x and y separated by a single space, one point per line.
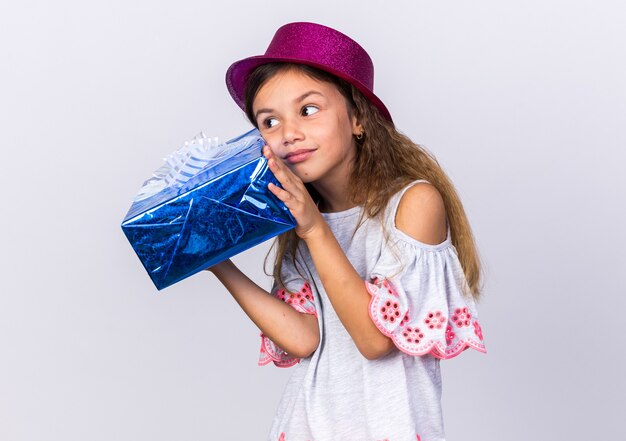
306 123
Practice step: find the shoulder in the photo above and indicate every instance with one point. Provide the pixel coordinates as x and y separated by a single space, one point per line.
421 214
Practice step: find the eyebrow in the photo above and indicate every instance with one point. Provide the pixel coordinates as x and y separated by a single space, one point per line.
297 100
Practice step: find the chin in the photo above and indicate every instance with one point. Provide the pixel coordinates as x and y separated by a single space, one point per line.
306 179
304 176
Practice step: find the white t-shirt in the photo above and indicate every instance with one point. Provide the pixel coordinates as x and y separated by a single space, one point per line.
336 394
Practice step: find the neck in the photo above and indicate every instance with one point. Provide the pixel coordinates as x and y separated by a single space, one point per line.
333 187
333 196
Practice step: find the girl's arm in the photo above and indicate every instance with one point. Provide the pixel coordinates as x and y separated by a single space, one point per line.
296 333
421 214
347 293
344 286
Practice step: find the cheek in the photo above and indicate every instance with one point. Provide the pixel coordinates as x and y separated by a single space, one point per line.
272 141
344 125
343 131
336 130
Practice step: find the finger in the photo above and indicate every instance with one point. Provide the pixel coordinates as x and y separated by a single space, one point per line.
281 193
269 154
283 174
277 162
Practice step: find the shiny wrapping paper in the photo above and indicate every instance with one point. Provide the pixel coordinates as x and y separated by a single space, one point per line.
205 205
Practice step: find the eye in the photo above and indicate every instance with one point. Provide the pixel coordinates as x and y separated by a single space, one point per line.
270 122
309 110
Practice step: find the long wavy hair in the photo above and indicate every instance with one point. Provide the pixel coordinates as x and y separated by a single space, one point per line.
376 174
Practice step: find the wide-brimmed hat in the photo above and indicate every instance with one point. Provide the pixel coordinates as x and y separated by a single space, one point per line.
314 45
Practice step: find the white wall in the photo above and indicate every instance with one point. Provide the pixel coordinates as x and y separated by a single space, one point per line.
523 103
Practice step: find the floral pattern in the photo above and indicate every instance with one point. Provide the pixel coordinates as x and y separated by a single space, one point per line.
462 317
449 334
423 331
390 311
302 301
478 330
405 320
435 320
296 298
412 334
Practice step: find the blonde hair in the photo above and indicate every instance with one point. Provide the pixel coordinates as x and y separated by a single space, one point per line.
376 173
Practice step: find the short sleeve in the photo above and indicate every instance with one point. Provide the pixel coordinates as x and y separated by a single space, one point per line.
299 295
420 298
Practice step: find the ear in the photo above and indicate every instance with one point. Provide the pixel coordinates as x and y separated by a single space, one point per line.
357 128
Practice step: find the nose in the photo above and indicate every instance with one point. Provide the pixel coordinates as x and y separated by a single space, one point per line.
292 132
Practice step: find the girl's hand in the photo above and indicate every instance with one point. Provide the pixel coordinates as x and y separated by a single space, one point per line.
295 196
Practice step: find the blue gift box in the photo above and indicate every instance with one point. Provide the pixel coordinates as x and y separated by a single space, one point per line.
204 207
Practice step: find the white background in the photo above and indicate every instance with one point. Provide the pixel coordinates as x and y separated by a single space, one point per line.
523 103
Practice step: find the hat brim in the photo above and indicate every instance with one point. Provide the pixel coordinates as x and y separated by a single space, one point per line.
238 72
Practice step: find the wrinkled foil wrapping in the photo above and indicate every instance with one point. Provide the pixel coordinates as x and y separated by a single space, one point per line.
207 203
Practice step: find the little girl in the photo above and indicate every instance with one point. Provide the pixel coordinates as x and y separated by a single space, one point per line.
378 280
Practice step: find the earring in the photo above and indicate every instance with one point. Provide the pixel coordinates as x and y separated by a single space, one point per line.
359 136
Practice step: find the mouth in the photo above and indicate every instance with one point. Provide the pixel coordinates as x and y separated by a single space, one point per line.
299 155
